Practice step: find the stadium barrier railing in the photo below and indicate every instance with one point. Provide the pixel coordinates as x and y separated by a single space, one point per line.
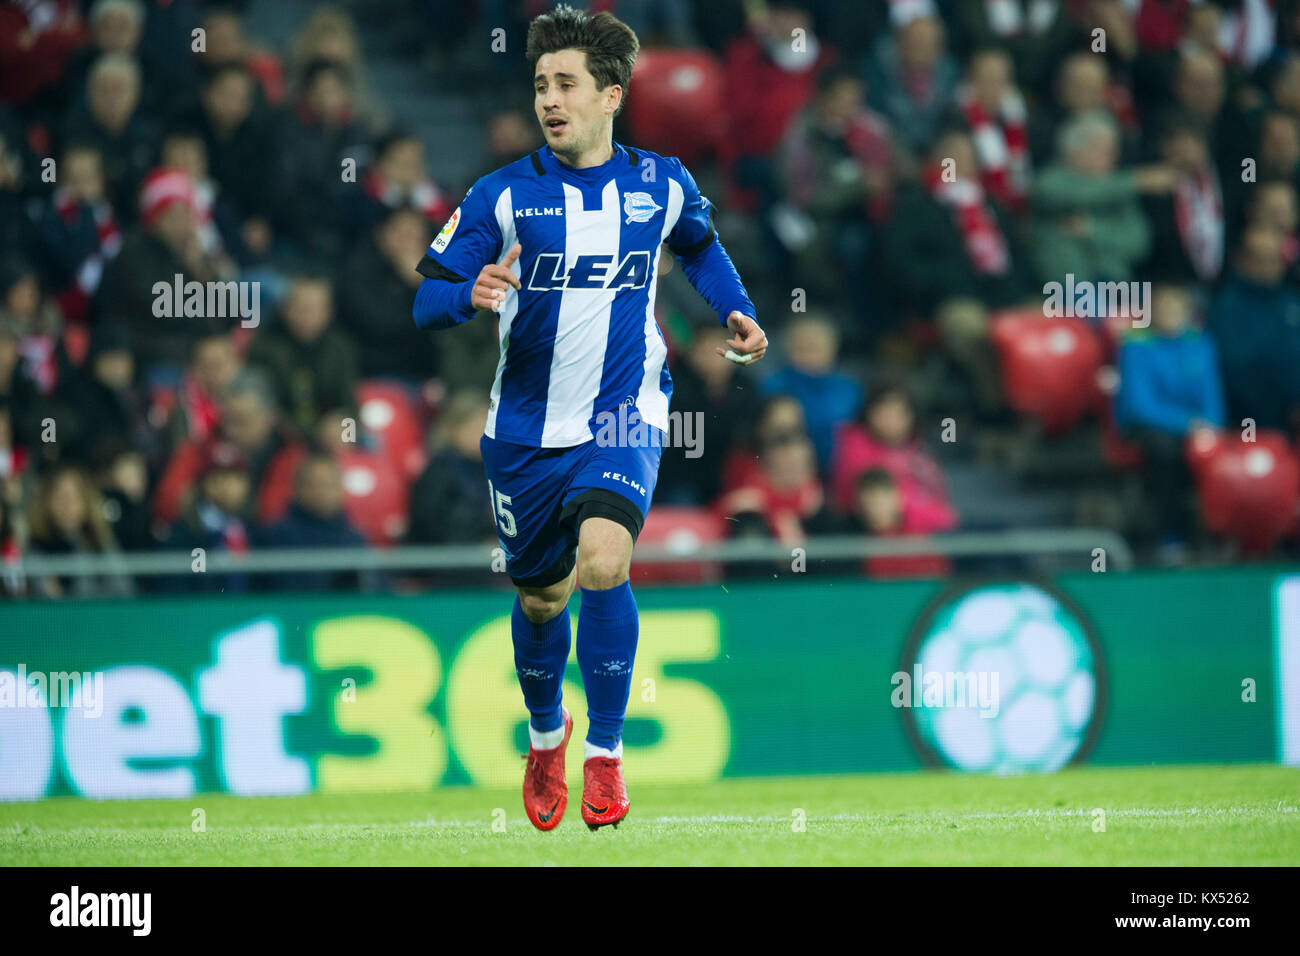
1076 545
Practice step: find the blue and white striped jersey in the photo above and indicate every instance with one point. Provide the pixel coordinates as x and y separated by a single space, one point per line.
580 338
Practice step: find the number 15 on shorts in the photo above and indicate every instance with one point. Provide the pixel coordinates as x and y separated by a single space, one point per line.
500 505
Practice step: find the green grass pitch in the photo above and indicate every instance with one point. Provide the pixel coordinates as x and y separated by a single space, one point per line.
1234 815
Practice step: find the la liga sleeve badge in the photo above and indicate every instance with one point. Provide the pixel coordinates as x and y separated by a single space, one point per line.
449 230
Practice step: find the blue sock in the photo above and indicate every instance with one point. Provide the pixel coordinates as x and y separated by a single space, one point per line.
541 651
607 631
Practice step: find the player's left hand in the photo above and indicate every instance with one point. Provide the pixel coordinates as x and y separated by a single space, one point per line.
747 344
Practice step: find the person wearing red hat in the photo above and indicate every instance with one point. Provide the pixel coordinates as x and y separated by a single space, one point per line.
166 243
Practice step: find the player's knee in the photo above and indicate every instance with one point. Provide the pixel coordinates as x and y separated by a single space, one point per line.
601 569
540 608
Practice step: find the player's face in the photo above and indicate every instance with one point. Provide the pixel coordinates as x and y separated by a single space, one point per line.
569 107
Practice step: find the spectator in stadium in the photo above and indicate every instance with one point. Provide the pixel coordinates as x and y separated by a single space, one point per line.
778 415
1033 35
14 470
1274 205
1188 223
111 120
1255 322
122 477
242 153
330 35
784 489
312 363
37 321
164 244
375 294
511 133
1168 387
106 402
398 177
880 510
323 135
19 234
1087 218
12 584
66 517
885 436
19 395
911 76
215 216
837 170
1278 147
37 44
213 365
216 518
951 253
80 229
447 502
703 386
1083 85
251 423
227 42
770 74
993 111
810 373
316 519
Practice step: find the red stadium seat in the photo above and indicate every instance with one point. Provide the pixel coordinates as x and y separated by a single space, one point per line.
376 496
390 418
677 107
1049 367
683 530
1249 491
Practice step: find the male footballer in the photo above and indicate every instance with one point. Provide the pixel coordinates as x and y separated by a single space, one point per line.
564 245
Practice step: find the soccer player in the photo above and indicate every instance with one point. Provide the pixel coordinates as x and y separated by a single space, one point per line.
564 245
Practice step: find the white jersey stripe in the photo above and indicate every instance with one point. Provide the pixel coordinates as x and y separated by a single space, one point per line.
650 399
505 215
582 327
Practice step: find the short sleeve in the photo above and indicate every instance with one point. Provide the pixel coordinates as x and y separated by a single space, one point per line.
470 239
694 230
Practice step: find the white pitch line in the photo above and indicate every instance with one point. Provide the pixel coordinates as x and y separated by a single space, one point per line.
882 818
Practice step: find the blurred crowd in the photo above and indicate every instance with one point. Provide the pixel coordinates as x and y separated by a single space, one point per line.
911 167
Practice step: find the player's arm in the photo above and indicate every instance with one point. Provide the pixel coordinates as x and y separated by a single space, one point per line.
694 241
461 271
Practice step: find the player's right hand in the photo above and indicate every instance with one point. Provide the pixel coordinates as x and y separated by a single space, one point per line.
489 290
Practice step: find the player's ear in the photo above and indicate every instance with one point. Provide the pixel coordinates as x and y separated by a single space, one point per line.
613 97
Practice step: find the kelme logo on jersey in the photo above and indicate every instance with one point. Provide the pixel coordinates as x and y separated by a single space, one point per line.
639 207
593 272
444 237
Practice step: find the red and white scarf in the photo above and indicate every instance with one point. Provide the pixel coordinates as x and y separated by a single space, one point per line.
69 208
1198 212
1002 145
981 235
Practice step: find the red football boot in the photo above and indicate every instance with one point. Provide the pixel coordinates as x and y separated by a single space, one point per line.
546 793
604 794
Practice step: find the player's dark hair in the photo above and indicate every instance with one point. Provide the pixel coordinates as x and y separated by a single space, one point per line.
609 43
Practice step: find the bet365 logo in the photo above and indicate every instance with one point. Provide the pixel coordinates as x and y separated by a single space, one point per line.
595 273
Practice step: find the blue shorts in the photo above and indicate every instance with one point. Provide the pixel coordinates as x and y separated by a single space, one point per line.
536 494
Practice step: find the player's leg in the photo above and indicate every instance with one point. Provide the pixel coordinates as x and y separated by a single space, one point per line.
526 486
540 629
610 498
541 635
608 628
